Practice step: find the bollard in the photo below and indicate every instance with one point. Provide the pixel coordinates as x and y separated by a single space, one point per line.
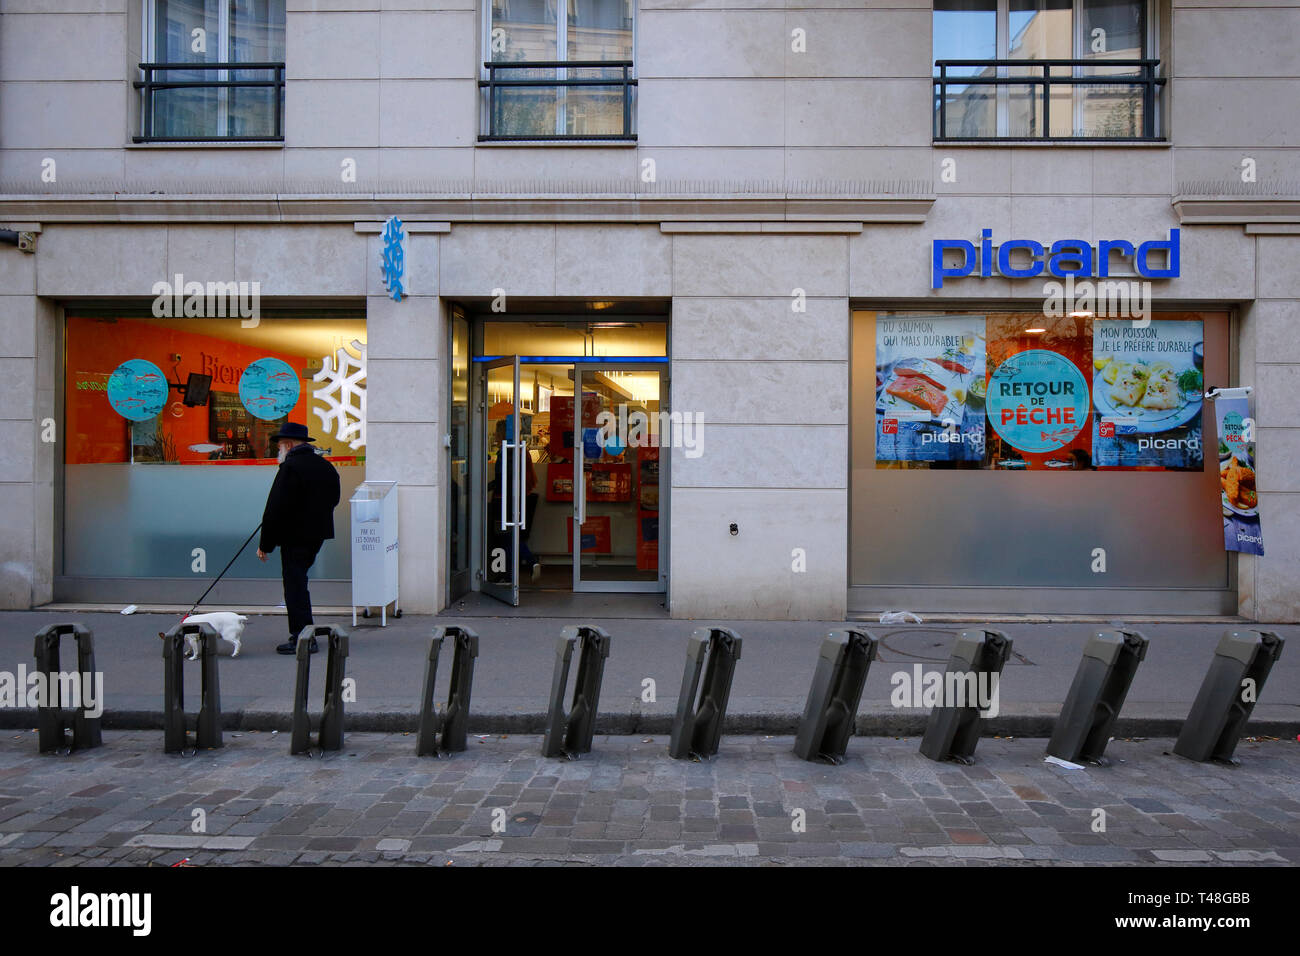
570 735
696 732
1110 659
953 729
1228 695
455 717
176 738
837 685
56 718
331 718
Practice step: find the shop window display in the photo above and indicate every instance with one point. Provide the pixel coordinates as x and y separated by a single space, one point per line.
157 467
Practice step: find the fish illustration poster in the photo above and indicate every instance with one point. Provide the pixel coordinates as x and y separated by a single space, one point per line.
930 379
1147 389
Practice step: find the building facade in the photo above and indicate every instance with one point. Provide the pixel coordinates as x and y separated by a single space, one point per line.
812 246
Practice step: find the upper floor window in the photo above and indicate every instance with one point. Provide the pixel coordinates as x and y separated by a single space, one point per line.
1045 69
214 71
547 76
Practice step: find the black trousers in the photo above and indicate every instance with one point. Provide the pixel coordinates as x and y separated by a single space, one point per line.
295 561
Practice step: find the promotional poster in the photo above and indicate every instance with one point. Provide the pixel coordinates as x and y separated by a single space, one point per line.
930 381
1238 497
1147 390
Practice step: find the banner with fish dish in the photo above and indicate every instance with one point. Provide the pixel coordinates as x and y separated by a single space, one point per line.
930 376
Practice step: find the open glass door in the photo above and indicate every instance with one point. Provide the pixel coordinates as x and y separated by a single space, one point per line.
503 449
616 506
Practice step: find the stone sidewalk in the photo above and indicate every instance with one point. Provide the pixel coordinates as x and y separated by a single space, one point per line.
628 803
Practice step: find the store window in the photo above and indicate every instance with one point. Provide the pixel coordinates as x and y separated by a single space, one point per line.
1005 448
169 458
214 71
1045 69
548 76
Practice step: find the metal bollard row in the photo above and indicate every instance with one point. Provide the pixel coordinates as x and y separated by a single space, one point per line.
330 736
1241 664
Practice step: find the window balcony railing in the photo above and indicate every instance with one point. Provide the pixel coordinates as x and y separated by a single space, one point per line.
1047 100
186 103
559 100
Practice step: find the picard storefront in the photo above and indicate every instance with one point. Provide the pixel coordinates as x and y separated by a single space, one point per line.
890 450
1009 462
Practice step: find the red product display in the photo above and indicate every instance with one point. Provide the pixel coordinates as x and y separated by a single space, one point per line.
596 537
559 481
610 482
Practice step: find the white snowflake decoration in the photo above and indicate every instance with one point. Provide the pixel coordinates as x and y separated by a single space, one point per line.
345 418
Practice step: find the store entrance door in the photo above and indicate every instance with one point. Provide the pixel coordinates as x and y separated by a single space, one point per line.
616 505
501 459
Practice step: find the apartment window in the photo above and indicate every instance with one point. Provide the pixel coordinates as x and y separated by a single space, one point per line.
214 71
552 77
1046 70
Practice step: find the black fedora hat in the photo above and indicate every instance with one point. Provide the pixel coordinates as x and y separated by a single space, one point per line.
292 430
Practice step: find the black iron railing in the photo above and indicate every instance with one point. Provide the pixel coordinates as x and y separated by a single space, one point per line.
1144 78
152 84
624 81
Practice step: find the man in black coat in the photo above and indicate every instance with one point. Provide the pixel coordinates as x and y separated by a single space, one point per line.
298 519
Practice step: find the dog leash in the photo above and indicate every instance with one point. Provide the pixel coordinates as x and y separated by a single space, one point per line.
223 571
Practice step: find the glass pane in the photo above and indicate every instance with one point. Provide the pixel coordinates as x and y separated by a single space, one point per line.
971 111
600 30
1114 30
525 111
256 36
524 30
458 516
548 392
186 31
595 110
966 30
620 537
132 486
500 488
256 31
1111 110
1040 30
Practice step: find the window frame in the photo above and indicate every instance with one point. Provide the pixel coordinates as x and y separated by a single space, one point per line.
559 137
148 48
1079 43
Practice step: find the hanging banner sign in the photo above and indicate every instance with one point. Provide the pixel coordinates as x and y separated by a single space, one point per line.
1238 496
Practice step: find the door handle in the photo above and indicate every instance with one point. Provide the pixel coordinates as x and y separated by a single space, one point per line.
505 478
521 488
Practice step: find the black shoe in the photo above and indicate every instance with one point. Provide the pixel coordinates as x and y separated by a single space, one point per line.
291 646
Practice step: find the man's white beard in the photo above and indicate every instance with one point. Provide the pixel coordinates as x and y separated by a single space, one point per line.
281 456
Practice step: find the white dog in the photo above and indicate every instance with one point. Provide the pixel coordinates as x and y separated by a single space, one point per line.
227 624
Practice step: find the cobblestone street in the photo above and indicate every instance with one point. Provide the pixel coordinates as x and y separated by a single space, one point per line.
628 803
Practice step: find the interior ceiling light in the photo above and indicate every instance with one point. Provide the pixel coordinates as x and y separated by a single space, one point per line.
599 306
1035 331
